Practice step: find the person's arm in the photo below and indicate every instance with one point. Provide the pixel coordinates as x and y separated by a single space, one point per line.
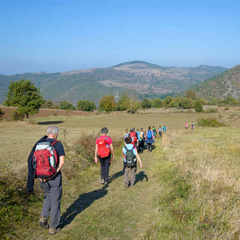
112 152
139 159
96 150
61 163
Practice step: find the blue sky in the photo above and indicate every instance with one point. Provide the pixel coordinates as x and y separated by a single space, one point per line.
62 35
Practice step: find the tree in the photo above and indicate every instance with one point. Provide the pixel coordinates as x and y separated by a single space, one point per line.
185 103
65 105
123 103
85 105
157 103
107 104
167 101
146 103
198 106
25 96
133 106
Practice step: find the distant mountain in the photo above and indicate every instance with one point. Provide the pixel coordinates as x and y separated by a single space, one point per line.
137 78
221 86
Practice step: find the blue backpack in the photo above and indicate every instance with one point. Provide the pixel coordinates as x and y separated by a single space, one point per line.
149 134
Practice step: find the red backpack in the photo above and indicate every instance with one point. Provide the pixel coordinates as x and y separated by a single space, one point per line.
45 160
133 135
103 150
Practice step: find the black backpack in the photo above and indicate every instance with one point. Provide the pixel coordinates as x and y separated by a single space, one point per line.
131 160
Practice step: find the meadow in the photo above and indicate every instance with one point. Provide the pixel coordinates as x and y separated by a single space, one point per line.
188 188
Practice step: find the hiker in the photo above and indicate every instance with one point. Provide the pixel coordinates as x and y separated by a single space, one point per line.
160 131
192 125
104 153
186 125
45 162
149 138
126 134
154 132
130 159
133 135
164 128
141 141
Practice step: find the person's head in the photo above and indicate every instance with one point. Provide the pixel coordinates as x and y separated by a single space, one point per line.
132 130
52 132
104 131
141 129
128 140
149 128
137 129
126 130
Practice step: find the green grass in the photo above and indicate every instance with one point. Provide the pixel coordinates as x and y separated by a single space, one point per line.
192 189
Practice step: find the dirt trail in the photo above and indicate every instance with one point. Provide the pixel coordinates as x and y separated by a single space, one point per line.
112 212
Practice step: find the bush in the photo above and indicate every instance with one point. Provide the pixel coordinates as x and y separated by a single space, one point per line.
107 104
49 104
146 103
210 122
65 105
198 106
123 103
85 105
133 106
157 103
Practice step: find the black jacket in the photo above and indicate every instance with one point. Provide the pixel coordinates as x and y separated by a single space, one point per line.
31 173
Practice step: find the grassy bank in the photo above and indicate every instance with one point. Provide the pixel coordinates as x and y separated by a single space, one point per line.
200 174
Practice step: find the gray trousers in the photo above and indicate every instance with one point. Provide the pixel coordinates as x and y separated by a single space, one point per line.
129 176
52 201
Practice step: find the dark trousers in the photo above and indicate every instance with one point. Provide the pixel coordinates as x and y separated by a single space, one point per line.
105 163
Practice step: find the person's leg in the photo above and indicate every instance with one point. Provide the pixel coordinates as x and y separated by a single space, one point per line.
133 175
107 164
46 202
102 169
126 177
55 198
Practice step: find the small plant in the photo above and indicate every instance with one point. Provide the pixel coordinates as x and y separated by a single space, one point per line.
198 106
210 122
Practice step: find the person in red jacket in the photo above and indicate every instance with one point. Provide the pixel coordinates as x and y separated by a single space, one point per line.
104 153
134 137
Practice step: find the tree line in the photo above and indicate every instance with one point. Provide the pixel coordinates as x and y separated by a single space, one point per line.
28 100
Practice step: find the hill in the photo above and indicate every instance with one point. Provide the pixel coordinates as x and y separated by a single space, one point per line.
226 84
138 78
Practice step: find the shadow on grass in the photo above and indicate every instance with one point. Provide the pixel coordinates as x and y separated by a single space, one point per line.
115 176
79 205
49 122
141 176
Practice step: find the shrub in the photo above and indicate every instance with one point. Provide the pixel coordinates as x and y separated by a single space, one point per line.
65 105
107 104
146 103
123 103
85 105
211 110
133 106
210 122
49 104
157 103
198 106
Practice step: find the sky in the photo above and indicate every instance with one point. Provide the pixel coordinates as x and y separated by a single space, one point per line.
65 35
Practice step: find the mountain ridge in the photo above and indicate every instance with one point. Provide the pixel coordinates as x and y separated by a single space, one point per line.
138 78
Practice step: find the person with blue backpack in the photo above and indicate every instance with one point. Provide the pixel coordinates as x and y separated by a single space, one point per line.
149 139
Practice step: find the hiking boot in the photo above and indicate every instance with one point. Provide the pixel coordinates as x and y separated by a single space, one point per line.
53 231
43 222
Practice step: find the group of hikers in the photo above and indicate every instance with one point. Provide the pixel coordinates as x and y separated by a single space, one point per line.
46 160
188 125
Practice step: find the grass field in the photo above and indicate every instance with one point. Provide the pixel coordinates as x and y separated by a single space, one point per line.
192 190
